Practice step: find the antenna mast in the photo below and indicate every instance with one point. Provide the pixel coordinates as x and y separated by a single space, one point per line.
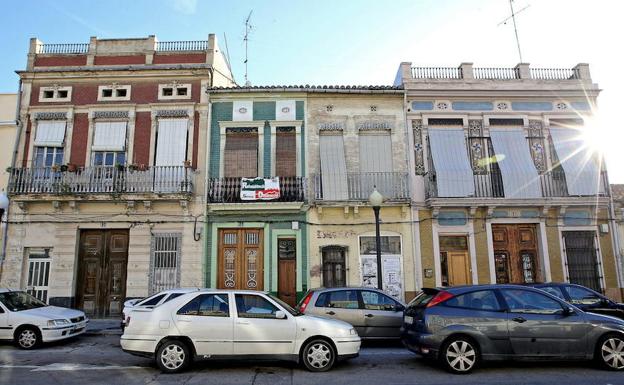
513 18
246 39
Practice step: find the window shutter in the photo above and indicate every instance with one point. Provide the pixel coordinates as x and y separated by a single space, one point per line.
241 154
579 163
333 168
285 154
109 136
50 133
454 174
171 143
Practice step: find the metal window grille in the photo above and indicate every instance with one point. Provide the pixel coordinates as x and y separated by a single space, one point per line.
165 262
38 275
582 259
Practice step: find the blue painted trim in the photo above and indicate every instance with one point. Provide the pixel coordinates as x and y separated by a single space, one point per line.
473 106
580 106
452 218
531 106
421 105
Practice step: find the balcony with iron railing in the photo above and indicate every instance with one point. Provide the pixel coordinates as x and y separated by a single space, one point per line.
357 186
101 180
228 190
490 185
466 71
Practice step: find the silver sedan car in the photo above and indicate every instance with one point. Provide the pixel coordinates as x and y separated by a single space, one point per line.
374 314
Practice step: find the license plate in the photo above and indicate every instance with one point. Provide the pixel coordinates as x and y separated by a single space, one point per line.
408 319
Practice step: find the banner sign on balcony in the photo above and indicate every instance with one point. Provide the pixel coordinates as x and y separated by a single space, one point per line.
254 189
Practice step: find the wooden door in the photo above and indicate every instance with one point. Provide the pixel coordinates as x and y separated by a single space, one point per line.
458 268
102 269
240 260
515 253
287 263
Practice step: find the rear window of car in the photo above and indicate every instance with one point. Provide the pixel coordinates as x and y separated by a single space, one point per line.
422 298
484 300
152 301
582 296
172 296
341 299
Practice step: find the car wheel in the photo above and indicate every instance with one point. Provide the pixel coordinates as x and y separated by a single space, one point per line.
27 338
610 352
173 356
318 356
459 355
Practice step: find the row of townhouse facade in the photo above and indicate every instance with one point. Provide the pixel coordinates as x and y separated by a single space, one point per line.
141 165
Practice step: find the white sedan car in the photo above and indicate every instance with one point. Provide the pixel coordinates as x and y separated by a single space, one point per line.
151 301
29 321
236 324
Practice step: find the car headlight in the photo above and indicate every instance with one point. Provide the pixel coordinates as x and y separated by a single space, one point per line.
352 332
58 322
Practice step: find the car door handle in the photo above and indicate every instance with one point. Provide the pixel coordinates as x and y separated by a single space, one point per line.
368 315
519 319
330 312
242 322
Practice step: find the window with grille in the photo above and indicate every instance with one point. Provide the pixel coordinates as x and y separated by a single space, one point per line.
241 153
38 274
165 262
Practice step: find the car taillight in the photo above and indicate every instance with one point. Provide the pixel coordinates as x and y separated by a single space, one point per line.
440 297
305 302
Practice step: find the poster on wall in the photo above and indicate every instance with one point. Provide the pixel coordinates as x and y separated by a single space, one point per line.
254 189
391 274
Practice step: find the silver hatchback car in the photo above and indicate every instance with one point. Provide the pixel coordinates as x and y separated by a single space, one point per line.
372 313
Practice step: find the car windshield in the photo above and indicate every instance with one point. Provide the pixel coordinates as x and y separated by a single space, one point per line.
19 300
286 306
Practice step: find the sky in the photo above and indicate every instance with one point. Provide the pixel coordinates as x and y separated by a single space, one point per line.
353 42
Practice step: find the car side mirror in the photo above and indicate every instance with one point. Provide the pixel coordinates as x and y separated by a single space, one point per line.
567 311
399 308
280 315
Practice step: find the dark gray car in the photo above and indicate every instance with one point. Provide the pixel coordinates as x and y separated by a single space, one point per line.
462 325
372 313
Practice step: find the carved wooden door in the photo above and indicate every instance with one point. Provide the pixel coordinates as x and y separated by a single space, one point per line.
287 263
102 268
240 261
515 253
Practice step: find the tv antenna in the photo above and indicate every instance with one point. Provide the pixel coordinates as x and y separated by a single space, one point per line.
248 27
513 19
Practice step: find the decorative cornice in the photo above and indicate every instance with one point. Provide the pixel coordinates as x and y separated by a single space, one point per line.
331 126
51 116
111 114
172 113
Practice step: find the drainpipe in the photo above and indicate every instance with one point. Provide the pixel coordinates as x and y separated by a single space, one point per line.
13 158
206 181
415 239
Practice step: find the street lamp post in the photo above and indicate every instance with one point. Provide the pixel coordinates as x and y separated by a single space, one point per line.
376 199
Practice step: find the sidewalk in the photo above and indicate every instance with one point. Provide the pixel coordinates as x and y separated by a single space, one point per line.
106 326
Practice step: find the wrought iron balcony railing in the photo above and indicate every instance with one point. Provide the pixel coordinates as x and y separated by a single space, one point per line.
394 186
101 180
490 185
228 190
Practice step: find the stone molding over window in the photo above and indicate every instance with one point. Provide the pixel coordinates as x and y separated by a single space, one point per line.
172 113
51 116
173 91
114 92
111 114
477 146
331 126
374 125
419 160
55 93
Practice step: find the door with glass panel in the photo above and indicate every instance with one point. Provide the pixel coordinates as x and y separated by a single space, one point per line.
455 261
38 274
240 259
581 258
334 266
515 253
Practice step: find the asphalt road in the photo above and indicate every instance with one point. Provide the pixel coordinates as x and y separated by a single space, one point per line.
98 359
